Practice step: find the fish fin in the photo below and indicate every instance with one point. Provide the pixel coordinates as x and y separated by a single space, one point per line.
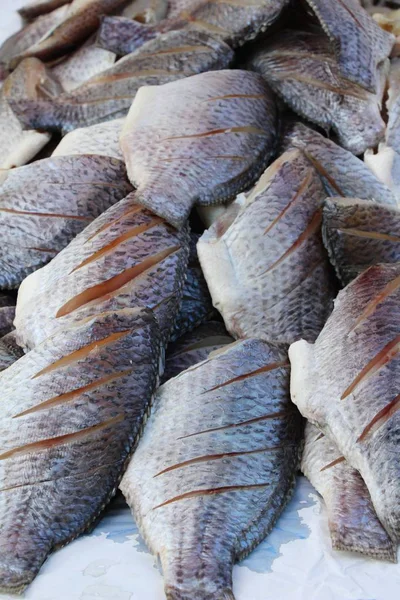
33 114
388 552
122 36
173 593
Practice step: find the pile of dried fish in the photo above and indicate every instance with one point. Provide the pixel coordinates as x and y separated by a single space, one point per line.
179 256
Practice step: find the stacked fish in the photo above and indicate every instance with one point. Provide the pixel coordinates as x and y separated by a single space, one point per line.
178 256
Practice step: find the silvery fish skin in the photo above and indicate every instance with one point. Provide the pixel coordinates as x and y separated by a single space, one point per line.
40 7
232 21
342 173
109 95
266 268
17 147
358 234
361 45
73 409
44 205
126 258
199 140
353 524
194 347
347 384
196 305
101 139
215 466
301 68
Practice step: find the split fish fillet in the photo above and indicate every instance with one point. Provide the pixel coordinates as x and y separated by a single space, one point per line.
301 68
266 268
73 408
215 466
359 234
347 384
109 95
40 7
194 347
353 523
360 43
101 139
126 258
199 140
44 205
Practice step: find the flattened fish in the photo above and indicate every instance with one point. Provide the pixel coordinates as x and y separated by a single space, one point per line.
359 234
126 258
266 267
72 411
360 43
101 139
44 205
199 140
301 67
342 173
215 466
353 523
347 384
40 7
17 147
109 95
194 347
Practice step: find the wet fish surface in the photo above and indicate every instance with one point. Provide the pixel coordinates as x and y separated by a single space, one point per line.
109 95
101 139
360 233
199 140
353 524
212 472
266 267
44 205
347 384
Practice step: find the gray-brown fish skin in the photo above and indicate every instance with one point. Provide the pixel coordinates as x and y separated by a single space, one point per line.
194 347
342 173
40 7
101 139
347 384
110 94
302 69
7 314
126 258
74 409
358 234
199 140
266 268
10 351
360 43
353 524
235 426
44 205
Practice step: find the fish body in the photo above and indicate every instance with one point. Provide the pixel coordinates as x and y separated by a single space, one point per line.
109 95
360 233
215 466
353 524
199 140
347 384
44 205
7 314
101 139
32 10
264 262
10 351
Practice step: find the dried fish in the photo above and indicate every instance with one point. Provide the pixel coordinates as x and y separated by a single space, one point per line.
101 139
40 7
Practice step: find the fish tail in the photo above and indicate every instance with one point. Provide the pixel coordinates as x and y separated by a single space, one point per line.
173 593
35 114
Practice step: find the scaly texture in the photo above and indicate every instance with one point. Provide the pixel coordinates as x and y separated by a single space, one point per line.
215 466
199 140
44 205
101 139
10 351
347 384
265 264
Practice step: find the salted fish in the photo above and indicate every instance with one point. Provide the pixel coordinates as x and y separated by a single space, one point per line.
353 523
342 173
40 7
72 410
126 258
10 351
232 21
109 95
44 205
215 466
358 234
266 268
7 314
347 384
194 347
199 140
360 43
101 139
301 67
